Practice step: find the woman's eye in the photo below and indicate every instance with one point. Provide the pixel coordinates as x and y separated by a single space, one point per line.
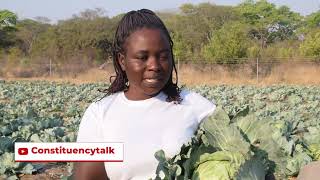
142 58
164 57
164 54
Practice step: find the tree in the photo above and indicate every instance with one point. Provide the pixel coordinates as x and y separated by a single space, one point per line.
7 18
28 31
91 14
8 21
227 44
313 20
42 19
88 35
45 45
181 50
192 26
311 45
268 23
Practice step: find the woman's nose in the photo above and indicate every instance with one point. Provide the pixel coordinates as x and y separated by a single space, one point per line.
153 63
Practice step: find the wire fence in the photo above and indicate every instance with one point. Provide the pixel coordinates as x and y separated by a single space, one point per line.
254 68
258 68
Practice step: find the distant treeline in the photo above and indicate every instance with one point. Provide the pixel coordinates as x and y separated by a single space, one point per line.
203 32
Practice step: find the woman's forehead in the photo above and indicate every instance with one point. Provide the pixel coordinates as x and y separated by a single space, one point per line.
147 38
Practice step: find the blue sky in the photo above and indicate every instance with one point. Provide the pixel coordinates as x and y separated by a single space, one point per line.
63 9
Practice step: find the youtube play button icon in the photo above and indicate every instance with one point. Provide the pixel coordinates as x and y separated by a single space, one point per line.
23 151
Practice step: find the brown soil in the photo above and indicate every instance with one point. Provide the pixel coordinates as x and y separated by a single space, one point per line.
51 171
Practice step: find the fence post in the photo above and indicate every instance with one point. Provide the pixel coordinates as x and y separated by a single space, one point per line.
211 73
179 69
50 67
257 72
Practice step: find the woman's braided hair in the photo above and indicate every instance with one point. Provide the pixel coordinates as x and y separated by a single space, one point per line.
132 21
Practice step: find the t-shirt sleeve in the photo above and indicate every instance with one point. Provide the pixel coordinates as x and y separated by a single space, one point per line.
201 106
89 129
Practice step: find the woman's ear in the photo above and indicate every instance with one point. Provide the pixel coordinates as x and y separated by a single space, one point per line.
121 60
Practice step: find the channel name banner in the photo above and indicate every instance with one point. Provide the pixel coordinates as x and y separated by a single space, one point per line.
68 152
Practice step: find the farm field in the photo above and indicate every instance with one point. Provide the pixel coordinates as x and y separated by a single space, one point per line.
257 60
41 111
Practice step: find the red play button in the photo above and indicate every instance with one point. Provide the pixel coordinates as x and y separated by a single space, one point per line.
23 151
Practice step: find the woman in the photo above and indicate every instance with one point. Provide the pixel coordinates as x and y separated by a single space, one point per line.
144 108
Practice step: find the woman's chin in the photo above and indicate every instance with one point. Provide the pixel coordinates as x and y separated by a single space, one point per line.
154 84
152 92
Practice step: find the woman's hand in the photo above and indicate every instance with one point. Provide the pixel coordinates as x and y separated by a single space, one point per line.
310 171
89 170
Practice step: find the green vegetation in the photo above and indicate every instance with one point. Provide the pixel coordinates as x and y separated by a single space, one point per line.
311 45
275 129
271 131
227 44
39 112
201 33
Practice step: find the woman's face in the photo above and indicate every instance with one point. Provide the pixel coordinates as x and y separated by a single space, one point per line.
147 62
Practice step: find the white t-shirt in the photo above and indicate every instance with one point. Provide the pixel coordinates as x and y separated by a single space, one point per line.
144 127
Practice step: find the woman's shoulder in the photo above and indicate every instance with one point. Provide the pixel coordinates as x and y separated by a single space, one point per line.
201 106
90 125
103 103
191 97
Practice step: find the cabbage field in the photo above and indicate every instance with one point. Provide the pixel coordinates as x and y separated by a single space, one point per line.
255 131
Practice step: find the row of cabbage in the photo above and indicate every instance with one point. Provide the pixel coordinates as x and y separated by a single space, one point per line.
255 133
38 111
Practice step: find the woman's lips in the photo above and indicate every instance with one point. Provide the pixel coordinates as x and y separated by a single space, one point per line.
153 82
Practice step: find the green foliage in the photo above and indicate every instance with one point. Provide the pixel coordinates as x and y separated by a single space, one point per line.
228 165
80 35
181 50
28 31
85 37
46 44
311 45
199 33
313 20
268 23
282 117
7 19
192 27
285 49
38 112
227 43
252 138
253 51
14 56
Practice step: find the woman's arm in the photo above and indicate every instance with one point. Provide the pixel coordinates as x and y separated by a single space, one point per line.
89 132
89 170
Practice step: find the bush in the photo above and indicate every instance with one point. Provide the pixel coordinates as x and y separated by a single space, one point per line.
227 44
311 44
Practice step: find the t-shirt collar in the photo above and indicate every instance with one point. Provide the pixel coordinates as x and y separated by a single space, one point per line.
159 97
